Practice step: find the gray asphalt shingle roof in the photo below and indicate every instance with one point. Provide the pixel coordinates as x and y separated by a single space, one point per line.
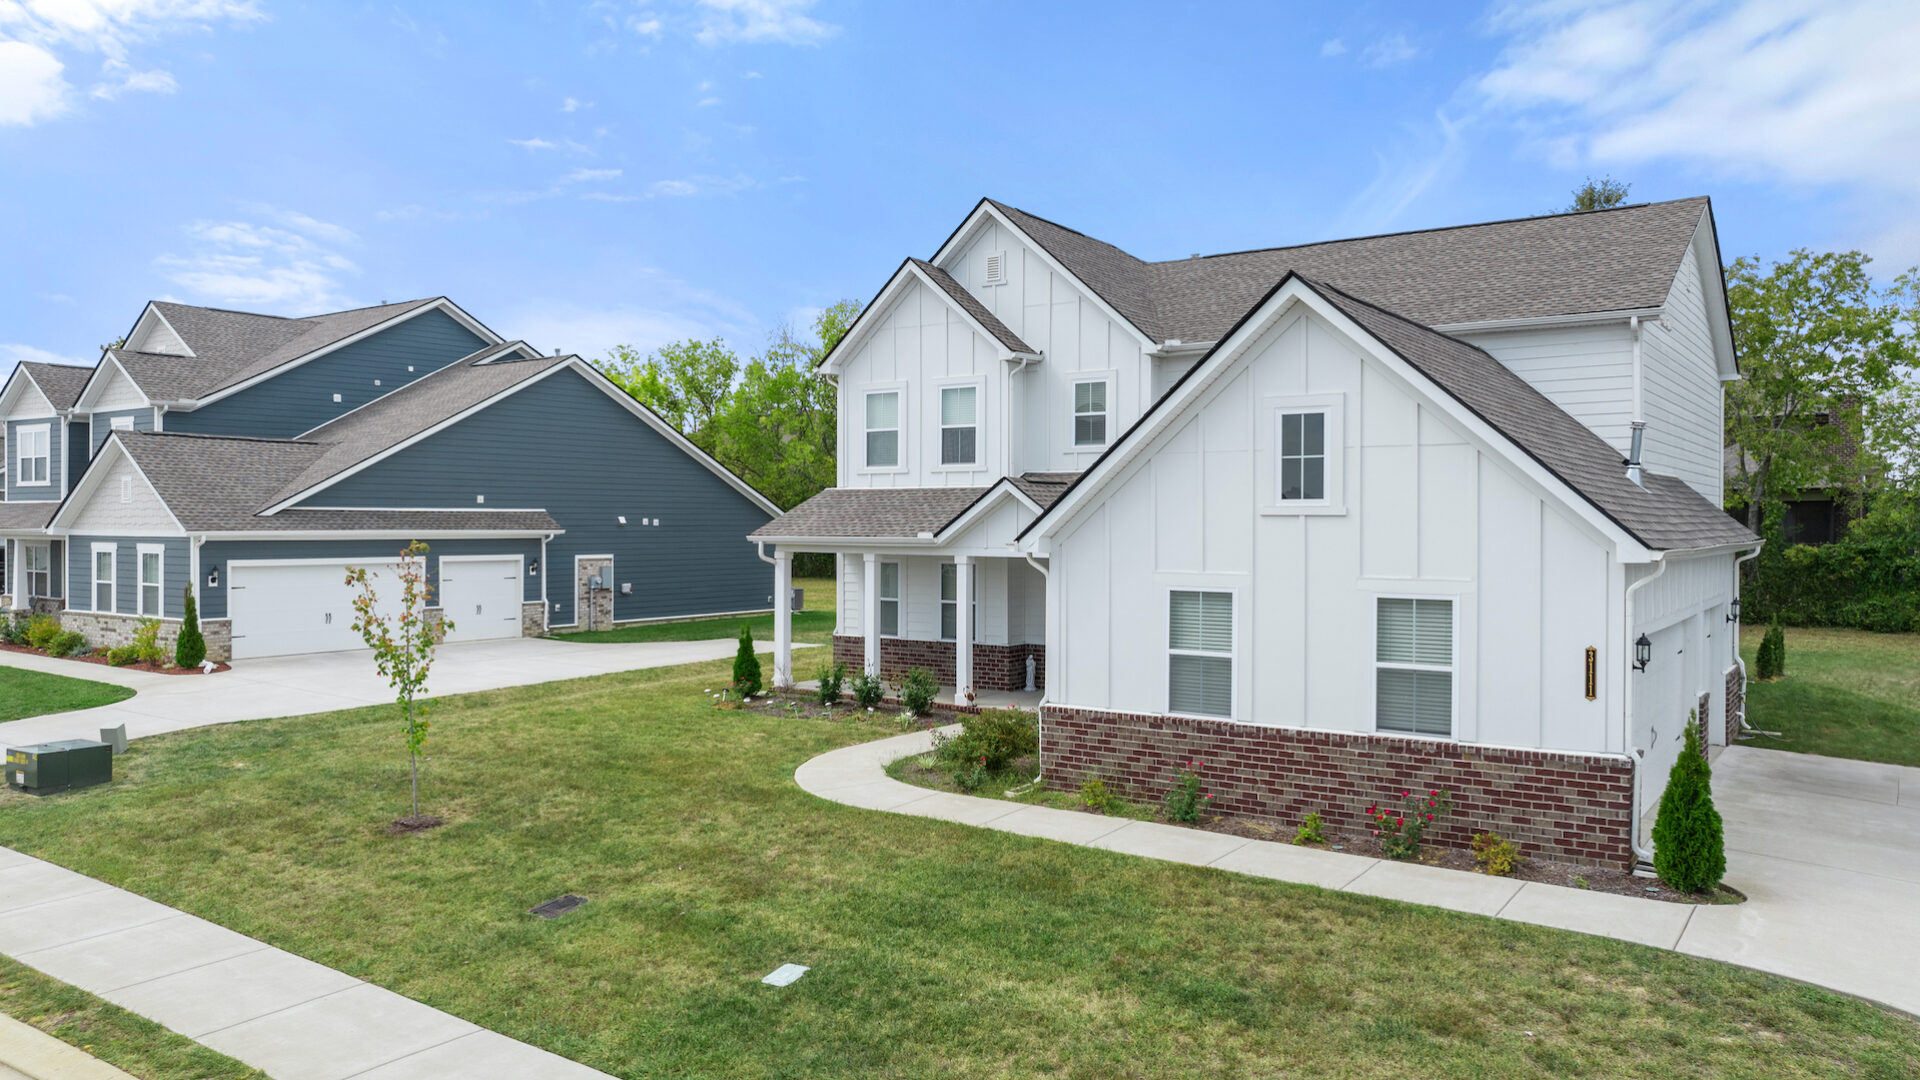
61 383
25 516
973 307
897 513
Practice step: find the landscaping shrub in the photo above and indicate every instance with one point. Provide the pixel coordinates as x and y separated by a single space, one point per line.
1689 848
1185 802
146 643
833 677
41 630
1309 830
1001 736
13 630
189 649
972 775
122 655
1401 829
67 643
1495 854
1770 660
1095 796
1869 579
867 690
813 564
746 666
918 690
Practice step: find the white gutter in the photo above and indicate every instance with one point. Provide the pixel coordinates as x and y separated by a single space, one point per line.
1637 756
1586 318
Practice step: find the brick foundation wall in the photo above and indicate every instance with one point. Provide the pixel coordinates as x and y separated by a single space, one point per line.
1701 719
105 630
1736 701
533 618
1572 807
995 667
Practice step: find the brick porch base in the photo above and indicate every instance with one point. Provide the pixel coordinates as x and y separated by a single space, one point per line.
995 667
1571 807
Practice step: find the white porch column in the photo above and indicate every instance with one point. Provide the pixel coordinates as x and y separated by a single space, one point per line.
782 619
962 627
870 613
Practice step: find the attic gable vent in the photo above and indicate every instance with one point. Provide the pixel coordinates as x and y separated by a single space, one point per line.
996 268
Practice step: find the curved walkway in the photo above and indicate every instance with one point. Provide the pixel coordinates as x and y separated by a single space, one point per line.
1809 916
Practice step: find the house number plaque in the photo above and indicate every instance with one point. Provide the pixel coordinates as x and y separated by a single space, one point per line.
1592 670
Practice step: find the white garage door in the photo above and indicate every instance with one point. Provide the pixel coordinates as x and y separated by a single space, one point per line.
481 596
282 608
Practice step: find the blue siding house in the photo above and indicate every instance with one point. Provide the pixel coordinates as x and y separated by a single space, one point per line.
253 458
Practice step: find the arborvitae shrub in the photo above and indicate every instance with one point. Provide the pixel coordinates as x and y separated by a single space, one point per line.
1689 847
746 666
189 649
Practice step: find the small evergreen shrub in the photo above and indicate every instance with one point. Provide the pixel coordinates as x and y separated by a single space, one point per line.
1495 854
746 666
1770 660
13 630
833 679
918 690
1185 802
41 629
1095 795
1309 830
67 643
189 649
867 690
1689 846
146 643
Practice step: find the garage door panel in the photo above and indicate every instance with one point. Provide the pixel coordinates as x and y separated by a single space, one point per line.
482 597
285 609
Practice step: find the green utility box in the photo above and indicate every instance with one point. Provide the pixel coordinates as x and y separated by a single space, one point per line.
59 766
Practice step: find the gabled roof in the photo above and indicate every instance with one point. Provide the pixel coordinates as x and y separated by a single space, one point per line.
898 513
59 383
1560 264
973 307
923 272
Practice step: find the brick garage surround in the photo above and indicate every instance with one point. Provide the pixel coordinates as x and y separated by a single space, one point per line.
1571 807
1736 701
995 667
533 618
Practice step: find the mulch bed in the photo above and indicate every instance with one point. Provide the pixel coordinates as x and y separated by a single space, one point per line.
101 659
410 824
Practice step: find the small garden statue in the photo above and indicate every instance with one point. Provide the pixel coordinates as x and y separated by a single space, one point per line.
403 647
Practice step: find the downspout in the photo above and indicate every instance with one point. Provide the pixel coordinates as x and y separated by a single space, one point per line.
1006 415
1639 417
1039 751
1636 755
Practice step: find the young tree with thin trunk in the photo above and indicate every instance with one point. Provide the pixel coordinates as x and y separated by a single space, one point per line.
403 645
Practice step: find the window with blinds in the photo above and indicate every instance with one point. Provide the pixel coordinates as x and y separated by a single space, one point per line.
889 599
883 430
959 425
1200 653
1090 413
1413 656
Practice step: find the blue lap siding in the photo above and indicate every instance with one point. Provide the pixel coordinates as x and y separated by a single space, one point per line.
564 446
51 490
216 554
174 569
301 398
103 426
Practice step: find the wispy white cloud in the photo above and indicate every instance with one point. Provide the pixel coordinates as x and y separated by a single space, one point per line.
1389 50
1333 47
289 266
570 105
646 24
663 309
39 39
589 176
537 143
1405 171
706 102
782 21
533 144
700 185
12 354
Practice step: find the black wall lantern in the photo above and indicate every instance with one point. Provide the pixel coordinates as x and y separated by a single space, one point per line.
1642 653
1733 611
533 568
213 578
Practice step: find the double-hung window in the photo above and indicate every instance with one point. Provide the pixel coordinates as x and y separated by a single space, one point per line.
153 560
1413 666
30 461
950 602
36 563
883 430
889 599
104 556
960 425
1303 456
1200 653
1090 413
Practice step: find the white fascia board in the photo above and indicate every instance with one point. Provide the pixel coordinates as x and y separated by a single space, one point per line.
1713 288
11 393
1579 318
474 325
97 382
903 279
525 351
378 534
95 476
963 236
1296 292
985 505
152 312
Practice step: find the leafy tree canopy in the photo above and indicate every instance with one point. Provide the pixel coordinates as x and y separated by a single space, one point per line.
1602 194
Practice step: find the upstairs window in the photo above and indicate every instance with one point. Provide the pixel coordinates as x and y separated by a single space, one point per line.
152 562
950 602
889 599
1200 653
104 556
959 425
1413 660
883 430
1090 413
30 461
36 563
1303 456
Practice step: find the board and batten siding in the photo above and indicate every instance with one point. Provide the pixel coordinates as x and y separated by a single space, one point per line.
102 425
175 570
217 554
1428 512
563 446
300 398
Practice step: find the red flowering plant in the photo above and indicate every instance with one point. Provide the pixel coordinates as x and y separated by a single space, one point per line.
1185 802
1399 828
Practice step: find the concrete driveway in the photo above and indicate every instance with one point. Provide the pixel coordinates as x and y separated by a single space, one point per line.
291 685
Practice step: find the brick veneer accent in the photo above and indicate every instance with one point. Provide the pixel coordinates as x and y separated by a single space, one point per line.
602 610
104 630
1572 807
995 667
1701 719
1736 701
533 618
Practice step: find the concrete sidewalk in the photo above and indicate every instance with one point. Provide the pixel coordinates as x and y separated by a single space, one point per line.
270 1009
1819 903
27 1053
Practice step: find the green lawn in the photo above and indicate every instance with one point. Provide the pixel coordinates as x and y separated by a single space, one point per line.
937 950
32 693
112 1034
812 624
1847 693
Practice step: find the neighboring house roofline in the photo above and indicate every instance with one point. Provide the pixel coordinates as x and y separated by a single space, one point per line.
90 393
915 271
527 352
153 309
95 476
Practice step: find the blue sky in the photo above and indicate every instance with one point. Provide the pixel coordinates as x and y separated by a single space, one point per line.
591 174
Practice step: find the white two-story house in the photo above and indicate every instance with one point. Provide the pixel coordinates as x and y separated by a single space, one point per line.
1430 509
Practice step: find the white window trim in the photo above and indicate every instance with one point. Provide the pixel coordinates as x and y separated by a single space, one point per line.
881 599
141 551
901 419
1455 603
26 573
120 423
94 581
974 582
979 461
1272 407
1074 379
21 432
1235 708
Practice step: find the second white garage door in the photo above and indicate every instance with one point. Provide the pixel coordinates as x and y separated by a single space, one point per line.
481 596
283 608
